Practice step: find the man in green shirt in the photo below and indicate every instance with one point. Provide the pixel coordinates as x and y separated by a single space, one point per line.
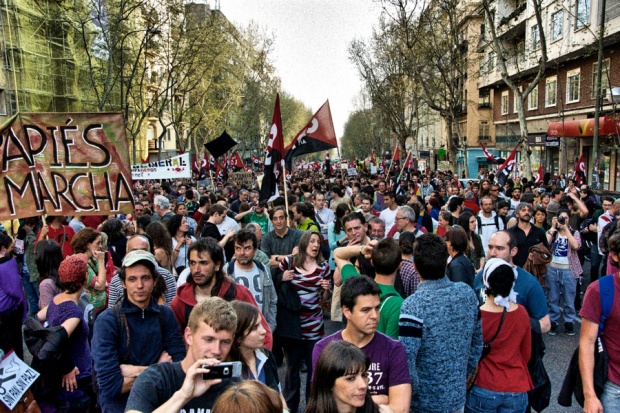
386 258
256 215
301 213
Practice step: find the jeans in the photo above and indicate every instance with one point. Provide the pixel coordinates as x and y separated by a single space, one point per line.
296 351
481 400
32 291
561 282
610 399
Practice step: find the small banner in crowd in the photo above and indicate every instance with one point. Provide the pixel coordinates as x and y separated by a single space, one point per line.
64 164
242 179
16 377
170 168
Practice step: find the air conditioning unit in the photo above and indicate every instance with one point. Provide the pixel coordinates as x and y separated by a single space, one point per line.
613 95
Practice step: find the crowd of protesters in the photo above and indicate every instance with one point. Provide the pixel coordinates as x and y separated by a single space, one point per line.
444 288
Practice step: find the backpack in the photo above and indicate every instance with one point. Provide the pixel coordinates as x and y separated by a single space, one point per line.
607 232
480 224
572 381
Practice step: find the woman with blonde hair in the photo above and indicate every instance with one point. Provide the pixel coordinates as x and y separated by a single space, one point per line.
249 396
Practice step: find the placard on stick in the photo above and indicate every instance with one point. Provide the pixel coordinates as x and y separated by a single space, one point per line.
242 178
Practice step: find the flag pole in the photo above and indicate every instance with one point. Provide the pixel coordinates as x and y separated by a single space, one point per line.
212 181
405 163
387 175
285 190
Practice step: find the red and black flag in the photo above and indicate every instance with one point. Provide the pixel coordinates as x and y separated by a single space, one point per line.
504 171
539 175
580 171
273 155
318 135
493 160
256 160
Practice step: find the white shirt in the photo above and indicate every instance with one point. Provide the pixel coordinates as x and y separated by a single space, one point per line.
488 228
323 218
603 221
227 224
388 216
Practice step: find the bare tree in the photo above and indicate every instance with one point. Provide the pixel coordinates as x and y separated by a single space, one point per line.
518 82
390 85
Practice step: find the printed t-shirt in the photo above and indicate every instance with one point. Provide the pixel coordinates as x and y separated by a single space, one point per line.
388 361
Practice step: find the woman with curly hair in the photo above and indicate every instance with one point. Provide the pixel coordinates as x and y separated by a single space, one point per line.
88 242
178 228
162 244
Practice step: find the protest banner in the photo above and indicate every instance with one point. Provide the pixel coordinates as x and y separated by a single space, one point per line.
16 377
64 164
352 172
170 168
242 179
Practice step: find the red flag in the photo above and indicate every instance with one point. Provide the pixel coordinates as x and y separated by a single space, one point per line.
383 164
580 170
373 161
396 156
273 154
205 162
238 162
408 162
195 166
539 175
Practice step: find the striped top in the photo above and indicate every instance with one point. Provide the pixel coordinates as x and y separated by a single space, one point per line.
308 286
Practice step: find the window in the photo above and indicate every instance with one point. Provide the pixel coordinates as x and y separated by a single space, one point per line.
604 79
532 99
482 31
551 89
484 99
504 102
491 62
557 20
2 102
516 100
573 81
535 38
582 13
484 132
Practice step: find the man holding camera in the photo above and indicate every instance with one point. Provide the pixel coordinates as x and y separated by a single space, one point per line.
168 387
563 271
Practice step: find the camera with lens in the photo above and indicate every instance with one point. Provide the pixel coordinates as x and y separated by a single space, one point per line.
562 220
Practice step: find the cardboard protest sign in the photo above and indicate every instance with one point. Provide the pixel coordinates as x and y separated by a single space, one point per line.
242 178
170 168
16 377
64 164
352 172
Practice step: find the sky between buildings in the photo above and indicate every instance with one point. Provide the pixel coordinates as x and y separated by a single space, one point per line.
312 38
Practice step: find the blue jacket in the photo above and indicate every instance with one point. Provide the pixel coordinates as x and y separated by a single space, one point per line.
441 330
150 334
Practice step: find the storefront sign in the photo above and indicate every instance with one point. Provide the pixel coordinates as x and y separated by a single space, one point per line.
537 140
552 142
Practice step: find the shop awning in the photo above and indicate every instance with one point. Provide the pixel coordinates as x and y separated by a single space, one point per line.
583 128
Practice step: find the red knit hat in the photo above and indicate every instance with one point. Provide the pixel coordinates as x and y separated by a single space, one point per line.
74 269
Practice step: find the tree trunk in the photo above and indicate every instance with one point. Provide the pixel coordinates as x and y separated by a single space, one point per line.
525 144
